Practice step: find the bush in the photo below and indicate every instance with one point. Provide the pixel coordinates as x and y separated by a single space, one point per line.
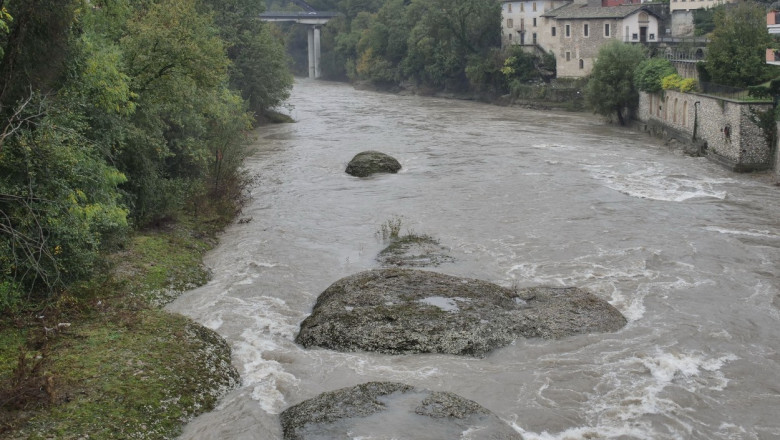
759 92
650 73
676 82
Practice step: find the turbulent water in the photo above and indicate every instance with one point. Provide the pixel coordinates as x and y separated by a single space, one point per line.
685 249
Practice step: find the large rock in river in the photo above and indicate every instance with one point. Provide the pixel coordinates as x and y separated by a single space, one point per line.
392 410
369 162
413 311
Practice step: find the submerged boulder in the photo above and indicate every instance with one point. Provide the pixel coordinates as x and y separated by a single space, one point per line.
414 250
369 162
391 410
399 311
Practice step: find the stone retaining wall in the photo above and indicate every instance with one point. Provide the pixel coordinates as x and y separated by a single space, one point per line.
722 129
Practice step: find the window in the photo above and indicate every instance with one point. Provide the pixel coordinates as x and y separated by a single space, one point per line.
510 36
553 31
568 56
652 36
522 7
509 23
585 29
582 63
534 37
606 29
509 7
633 36
568 30
534 21
534 7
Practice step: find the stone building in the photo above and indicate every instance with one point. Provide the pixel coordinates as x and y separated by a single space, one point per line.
575 32
521 22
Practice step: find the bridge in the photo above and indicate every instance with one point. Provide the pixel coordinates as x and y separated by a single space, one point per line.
315 20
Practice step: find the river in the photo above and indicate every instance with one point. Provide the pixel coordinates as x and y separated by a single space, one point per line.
686 250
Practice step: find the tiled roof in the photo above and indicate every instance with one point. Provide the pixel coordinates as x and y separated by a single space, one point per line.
574 11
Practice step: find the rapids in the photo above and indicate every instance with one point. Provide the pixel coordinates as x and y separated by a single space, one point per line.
686 250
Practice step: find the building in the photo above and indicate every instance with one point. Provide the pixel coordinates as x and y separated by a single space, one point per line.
773 26
575 33
521 20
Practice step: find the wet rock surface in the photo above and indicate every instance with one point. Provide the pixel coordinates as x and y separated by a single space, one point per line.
370 162
414 251
384 410
399 311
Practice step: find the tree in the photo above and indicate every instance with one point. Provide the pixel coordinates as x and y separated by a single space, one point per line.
650 73
258 62
446 35
736 53
611 90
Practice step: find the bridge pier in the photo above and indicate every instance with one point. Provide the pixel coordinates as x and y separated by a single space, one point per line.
314 51
314 20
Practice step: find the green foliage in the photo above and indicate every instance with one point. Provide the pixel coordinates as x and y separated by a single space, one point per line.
759 92
736 53
676 82
39 36
259 63
704 20
140 123
649 73
390 229
444 35
436 44
5 18
521 67
58 200
611 90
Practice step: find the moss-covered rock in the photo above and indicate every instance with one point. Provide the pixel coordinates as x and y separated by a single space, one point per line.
412 311
414 251
370 162
391 410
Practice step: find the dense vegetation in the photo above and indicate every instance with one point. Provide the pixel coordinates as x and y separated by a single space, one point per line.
123 124
611 90
119 114
738 41
427 45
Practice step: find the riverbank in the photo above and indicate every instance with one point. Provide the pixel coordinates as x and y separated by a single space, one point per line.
559 94
105 361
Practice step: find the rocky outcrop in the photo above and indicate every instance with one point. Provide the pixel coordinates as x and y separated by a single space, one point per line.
399 311
414 250
370 162
391 410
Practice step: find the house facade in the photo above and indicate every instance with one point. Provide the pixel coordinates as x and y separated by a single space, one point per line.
521 20
773 27
575 33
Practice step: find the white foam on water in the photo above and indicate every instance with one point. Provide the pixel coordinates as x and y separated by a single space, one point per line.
654 183
629 410
584 432
592 272
749 232
371 367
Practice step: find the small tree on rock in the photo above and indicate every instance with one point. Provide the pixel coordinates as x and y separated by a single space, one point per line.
611 90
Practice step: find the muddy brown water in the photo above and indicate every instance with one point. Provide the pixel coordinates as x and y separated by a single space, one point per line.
685 249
